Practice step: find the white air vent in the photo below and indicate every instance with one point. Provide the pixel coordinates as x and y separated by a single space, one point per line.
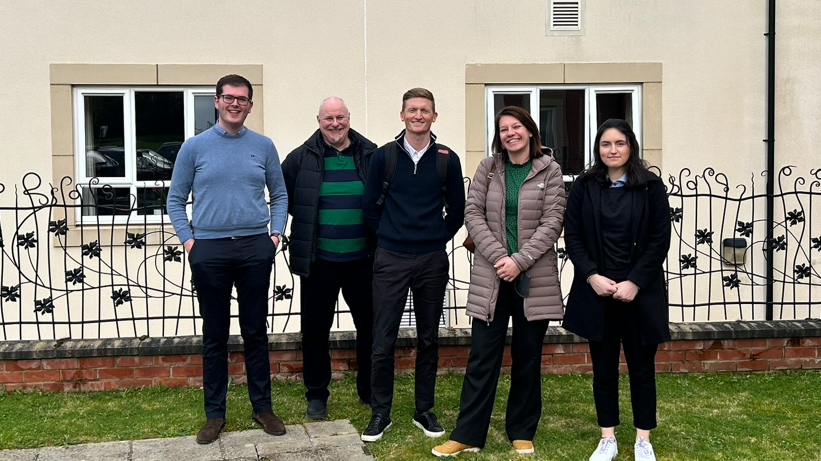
565 15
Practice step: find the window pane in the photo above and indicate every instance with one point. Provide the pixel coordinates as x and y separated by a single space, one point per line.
205 114
104 136
151 200
159 121
99 201
561 122
614 105
501 100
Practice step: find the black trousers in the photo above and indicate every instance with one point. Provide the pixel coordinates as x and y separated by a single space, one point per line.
426 274
217 266
622 325
319 294
524 400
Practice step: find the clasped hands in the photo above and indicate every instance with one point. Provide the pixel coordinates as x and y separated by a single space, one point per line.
623 291
507 269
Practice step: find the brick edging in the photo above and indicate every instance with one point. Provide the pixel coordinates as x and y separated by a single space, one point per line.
72 365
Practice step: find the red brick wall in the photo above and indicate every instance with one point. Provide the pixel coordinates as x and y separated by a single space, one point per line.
98 373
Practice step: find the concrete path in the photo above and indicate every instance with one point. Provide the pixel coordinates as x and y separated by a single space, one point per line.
320 441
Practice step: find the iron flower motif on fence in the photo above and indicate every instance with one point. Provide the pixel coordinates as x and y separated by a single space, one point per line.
286 242
120 296
688 261
10 294
26 241
794 217
816 243
745 228
778 243
562 253
731 281
75 276
802 271
92 249
58 227
172 254
44 306
676 214
704 236
282 292
135 240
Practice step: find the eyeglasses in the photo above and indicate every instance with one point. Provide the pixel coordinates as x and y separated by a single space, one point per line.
338 118
229 99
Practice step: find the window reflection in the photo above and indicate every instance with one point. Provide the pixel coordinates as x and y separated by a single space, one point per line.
159 121
205 114
98 201
502 100
151 200
104 135
561 123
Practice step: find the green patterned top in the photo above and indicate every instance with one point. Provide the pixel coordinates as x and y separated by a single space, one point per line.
514 177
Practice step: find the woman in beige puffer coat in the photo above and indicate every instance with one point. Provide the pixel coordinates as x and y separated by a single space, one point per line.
514 214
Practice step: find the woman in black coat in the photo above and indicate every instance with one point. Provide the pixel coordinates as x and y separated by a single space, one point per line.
617 234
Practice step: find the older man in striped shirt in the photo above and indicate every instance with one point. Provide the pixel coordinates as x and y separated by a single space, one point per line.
329 246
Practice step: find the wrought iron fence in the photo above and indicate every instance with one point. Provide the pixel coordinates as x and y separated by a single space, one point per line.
85 265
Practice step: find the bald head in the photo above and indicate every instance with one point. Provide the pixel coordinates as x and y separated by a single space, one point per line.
334 122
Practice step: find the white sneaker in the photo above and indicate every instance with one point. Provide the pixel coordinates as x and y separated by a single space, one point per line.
644 450
606 451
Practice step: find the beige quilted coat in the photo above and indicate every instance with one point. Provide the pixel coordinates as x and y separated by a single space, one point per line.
541 212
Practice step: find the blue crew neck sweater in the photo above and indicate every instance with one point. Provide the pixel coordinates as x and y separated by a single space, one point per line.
228 175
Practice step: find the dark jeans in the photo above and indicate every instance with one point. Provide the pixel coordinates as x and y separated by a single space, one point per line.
426 274
217 266
524 400
622 325
319 294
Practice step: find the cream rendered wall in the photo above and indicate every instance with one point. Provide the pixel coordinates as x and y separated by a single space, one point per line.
369 52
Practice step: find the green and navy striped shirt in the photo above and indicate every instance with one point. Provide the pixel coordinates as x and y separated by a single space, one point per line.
341 232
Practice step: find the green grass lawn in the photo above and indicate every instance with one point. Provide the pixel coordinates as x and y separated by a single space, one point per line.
701 417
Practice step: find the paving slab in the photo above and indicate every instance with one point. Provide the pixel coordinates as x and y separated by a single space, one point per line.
343 454
18 455
87 452
320 441
329 428
296 456
175 449
294 440
242 444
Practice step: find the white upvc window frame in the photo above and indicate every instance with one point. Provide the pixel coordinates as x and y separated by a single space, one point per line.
129 140
590 124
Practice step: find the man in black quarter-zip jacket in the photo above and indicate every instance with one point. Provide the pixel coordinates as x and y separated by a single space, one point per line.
406 211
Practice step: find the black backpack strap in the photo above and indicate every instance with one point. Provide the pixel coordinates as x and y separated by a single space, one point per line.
391 152
442 161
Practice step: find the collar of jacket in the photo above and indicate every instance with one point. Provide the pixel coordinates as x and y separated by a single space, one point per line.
538 164
400 140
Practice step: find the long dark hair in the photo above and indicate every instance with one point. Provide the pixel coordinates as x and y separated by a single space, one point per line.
524 117
636 168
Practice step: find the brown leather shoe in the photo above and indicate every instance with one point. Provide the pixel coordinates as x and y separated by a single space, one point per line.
271 424
210 431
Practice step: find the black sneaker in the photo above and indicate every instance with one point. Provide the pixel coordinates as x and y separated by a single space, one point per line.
317 409
428 423
378 425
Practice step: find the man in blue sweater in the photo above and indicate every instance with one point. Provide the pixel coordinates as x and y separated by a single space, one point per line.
411 254
226 170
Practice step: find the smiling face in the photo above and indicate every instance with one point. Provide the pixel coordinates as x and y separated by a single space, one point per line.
614 151
418 115
515 137
334 123
232 116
